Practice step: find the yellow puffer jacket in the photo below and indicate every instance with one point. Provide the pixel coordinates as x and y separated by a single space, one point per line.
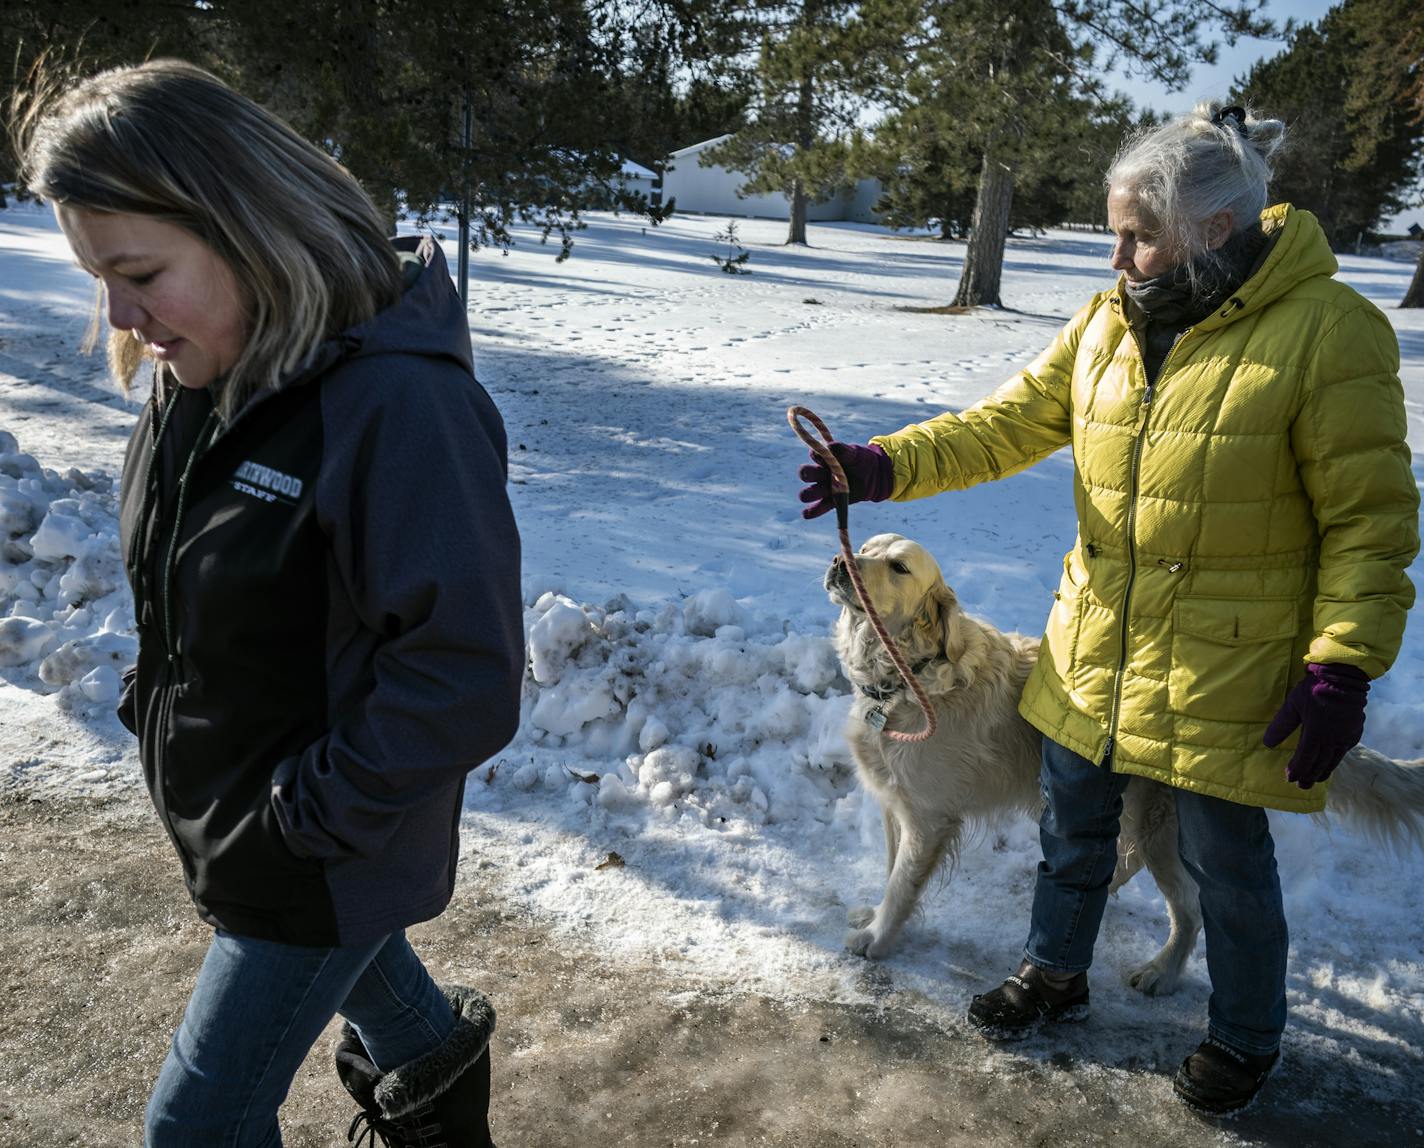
1252 511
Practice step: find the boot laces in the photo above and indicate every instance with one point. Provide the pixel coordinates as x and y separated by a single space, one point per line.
373 1126
418 1129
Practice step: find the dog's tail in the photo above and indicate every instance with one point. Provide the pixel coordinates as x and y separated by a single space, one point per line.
1382 798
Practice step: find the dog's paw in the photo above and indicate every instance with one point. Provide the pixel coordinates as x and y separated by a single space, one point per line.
869 943
880 948
1153 980
860 916
858 941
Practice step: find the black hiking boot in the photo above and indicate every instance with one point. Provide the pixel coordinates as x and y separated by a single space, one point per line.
1220 1081
1026 1000
439 1100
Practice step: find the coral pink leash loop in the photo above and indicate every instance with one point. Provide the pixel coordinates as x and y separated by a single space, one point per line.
840 488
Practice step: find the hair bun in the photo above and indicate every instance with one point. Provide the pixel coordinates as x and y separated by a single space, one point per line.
1264 136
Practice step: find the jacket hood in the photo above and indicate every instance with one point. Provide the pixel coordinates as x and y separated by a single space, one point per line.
1299 251
427 319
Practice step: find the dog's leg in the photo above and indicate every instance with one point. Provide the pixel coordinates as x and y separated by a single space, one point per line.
892 840
1158 843
862 915
919 850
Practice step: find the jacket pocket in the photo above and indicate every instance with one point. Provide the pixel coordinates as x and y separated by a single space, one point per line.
240 859
1061 637
1231 658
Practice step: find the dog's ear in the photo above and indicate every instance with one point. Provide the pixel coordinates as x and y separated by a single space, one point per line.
960 639
935 623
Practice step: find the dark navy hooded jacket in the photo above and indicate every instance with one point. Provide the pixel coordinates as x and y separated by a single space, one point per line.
330 626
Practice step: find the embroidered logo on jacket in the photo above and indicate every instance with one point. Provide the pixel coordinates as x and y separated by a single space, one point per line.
267 484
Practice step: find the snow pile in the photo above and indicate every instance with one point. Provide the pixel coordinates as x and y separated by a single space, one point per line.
66 617
703 707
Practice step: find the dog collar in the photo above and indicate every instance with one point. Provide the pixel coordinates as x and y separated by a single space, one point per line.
884 692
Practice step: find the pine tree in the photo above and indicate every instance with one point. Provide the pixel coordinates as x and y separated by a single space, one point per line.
678 83
1414 296
1344 89
384 87
924 152
76 37
1023 77
1065 184
1159 38
1412 47
813 63
387 88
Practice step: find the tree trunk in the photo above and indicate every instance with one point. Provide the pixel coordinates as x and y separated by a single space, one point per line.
796 233
1414 297
805 139
984 257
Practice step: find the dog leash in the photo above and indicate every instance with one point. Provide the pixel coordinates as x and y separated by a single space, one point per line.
840 492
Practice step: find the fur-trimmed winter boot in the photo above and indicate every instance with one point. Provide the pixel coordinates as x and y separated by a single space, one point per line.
439 1100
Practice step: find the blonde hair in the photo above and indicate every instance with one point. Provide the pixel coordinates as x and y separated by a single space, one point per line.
166 139
1216 158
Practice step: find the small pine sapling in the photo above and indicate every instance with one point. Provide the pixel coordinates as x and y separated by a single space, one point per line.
732 264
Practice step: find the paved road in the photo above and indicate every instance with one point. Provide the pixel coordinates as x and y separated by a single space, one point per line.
98 950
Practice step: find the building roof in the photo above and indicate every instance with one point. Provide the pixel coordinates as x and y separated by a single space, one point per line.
697 147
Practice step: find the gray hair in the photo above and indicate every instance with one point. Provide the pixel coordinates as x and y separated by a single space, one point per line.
1187 170
166 139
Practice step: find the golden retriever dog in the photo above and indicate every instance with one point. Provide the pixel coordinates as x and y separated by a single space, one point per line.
983 760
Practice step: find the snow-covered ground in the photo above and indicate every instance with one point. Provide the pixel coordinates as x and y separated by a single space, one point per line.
684 706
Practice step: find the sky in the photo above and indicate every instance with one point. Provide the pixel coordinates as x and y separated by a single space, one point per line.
1233 62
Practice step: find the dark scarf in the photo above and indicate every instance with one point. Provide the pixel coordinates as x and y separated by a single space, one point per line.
1175 300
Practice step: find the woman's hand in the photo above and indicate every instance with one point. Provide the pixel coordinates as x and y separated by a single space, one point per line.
868 470
1328 705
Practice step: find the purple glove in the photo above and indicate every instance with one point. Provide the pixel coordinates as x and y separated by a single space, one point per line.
868 470
1329 706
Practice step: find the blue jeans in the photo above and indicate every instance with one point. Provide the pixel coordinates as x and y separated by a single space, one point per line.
1228 851
257 1009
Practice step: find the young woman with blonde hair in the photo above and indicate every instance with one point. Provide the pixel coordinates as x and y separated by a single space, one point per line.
326 581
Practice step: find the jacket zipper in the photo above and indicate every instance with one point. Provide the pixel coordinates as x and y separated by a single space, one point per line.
1139 431
168 676
168 685
142 529
170 644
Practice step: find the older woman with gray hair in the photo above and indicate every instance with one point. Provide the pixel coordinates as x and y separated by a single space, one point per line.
1246 514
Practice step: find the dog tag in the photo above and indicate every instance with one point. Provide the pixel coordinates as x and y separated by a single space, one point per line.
876 718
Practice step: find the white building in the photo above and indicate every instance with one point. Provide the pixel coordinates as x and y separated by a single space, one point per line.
713 190
634 177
